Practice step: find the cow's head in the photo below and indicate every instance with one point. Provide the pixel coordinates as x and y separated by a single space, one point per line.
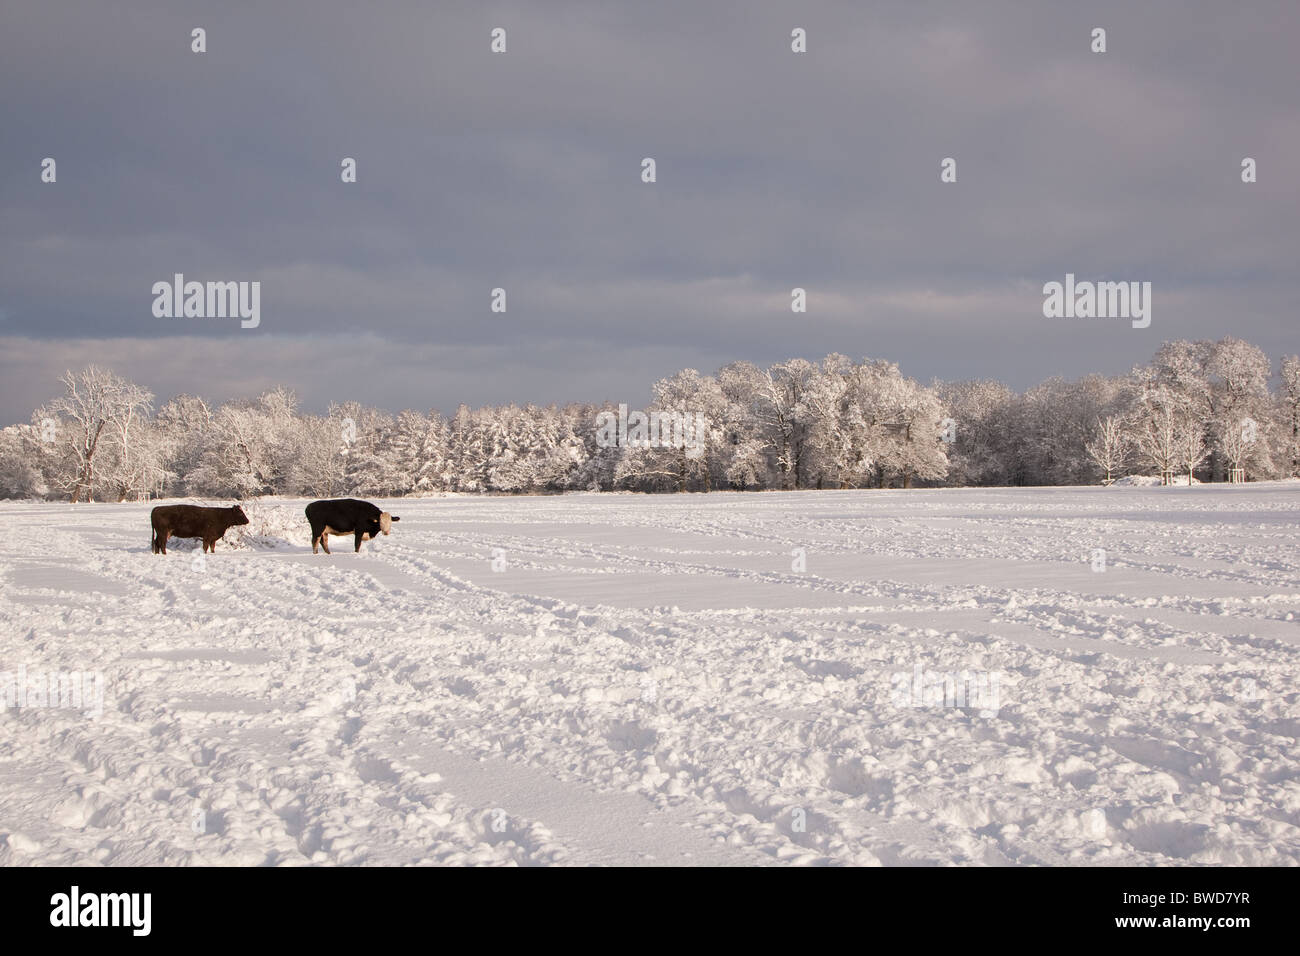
237 515
386 522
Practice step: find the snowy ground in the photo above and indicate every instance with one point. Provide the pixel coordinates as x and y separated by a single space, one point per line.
653 680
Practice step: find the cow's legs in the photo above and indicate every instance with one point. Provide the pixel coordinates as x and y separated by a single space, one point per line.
325 541
360 536
162 540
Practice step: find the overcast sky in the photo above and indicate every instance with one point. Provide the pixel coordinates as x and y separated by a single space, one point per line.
523 170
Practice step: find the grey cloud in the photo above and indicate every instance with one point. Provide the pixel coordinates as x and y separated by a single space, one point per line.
522 171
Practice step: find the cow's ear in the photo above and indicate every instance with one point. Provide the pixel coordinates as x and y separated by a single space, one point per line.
395 518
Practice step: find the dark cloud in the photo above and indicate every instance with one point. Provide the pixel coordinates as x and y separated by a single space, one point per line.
775 170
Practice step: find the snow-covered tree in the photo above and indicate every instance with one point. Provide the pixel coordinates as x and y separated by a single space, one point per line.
837 433
1289 415
1161 427
135 453
253 448
782 416
20 474
181 427
415 453
1200 408
685 416
1239 399
982 449
1110 447
96 403
741 454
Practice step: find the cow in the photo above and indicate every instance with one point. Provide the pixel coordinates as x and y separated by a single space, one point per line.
342 516
193 521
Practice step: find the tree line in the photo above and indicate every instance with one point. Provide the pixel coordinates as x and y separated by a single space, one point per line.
1203 411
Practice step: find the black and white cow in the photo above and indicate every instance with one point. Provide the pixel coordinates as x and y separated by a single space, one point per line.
346 516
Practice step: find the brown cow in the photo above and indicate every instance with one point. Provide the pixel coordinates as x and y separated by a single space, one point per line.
193 521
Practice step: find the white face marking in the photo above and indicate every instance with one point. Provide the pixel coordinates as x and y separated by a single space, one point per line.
385 522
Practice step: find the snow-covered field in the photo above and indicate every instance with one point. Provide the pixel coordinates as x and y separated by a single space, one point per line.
715 679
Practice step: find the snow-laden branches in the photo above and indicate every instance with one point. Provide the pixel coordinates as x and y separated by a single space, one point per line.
1200 410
